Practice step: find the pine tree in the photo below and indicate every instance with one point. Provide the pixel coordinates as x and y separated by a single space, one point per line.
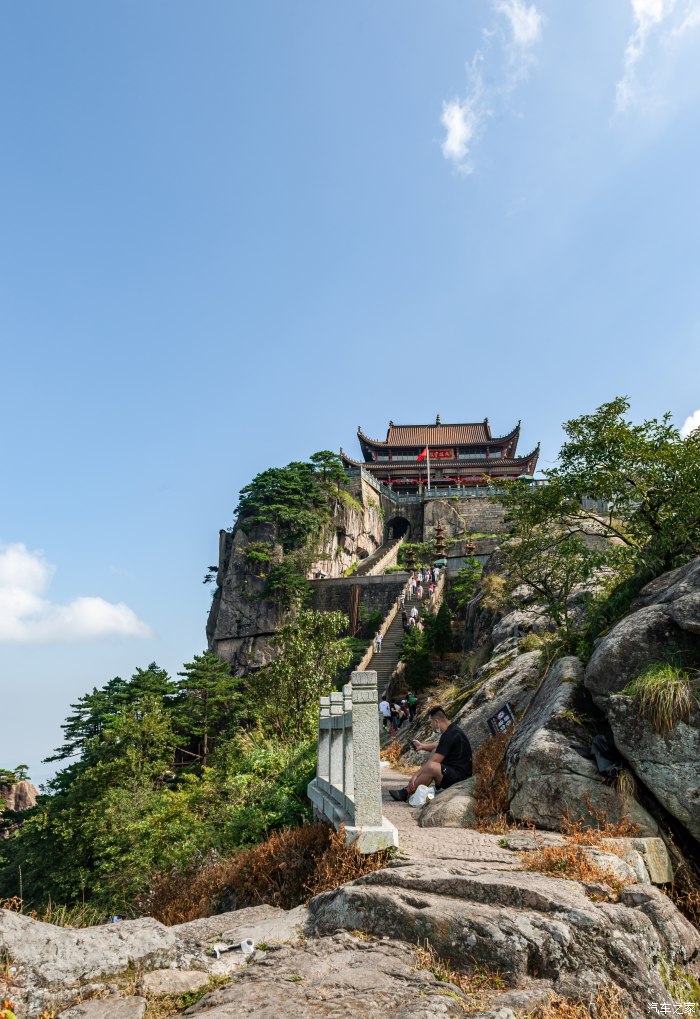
208 701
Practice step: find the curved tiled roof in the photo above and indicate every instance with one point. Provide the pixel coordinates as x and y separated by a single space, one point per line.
474 433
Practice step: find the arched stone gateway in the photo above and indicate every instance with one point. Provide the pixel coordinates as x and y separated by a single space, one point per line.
398 527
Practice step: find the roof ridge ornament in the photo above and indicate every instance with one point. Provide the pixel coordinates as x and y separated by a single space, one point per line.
437 420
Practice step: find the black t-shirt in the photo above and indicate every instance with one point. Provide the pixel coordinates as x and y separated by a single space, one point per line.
456 750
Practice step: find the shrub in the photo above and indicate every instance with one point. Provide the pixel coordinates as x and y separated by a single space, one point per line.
495 592
286 870
665 694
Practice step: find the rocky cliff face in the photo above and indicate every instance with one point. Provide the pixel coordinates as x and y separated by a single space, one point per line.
19 796
241 620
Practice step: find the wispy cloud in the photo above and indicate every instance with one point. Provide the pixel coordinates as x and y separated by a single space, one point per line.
27 616
508 47
659 27
690 424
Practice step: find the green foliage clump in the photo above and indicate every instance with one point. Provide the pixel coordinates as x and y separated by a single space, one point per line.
464 585
415 652
645 481
310 653
666 694
441 635
298 499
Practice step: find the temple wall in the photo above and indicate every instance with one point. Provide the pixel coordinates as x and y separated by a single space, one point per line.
377 594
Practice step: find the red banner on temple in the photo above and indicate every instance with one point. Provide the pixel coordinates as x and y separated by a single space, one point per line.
442 454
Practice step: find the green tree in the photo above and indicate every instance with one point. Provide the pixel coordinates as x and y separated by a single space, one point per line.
442 631
209 699
464 585
309 654
415 652
646 476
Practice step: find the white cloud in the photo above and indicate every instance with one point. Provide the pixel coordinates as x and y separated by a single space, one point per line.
659 27
525 22
26 615
690 424
463 118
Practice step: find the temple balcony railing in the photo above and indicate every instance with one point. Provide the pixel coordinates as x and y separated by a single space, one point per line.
347 788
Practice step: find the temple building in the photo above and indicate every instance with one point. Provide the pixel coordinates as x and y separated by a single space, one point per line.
463 455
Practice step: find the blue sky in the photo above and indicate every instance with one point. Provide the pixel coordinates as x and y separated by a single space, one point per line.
232 232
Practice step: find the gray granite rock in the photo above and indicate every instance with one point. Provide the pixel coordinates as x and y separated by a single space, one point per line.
667 763
549 780
107 1008
450 808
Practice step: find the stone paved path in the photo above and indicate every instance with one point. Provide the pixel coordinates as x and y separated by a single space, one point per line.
454 844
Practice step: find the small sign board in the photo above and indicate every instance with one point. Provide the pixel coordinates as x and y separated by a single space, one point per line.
502 720
442 454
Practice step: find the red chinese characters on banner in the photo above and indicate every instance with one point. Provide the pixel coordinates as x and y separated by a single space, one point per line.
442 454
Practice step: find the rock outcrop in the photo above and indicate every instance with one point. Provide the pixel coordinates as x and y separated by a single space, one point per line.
526 925
664 619
242 619
19 796
549 780
60 966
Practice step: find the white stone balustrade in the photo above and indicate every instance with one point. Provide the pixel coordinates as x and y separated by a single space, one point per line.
347 787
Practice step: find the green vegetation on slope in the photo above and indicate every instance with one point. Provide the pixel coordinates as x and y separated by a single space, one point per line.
164 774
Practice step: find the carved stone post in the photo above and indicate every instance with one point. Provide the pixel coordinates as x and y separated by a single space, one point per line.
365 742
336 747
323 768
348 788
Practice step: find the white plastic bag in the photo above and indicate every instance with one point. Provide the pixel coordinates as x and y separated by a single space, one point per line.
421 796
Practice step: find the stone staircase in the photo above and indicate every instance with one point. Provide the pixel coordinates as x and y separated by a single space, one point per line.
386 661
384 556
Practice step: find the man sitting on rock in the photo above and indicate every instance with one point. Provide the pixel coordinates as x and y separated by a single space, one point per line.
450 758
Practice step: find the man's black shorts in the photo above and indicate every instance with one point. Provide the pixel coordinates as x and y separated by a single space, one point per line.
451 775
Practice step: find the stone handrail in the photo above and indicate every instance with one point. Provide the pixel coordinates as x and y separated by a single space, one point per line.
347 787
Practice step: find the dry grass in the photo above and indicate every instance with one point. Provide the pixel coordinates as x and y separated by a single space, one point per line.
495 592
607 1003
7 1009
80 915
491 797
392 752
287 869
477 987
571 860
685 893
578 832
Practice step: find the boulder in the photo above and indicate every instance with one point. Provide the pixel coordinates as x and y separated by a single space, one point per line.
548 779
50 956
450 808
668 763
665 616
524 924
509 677
521 621
657 862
